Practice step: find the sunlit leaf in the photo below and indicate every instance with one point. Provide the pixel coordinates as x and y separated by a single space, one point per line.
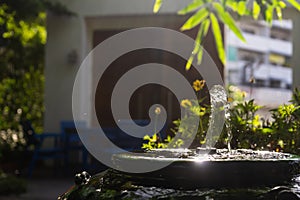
189 63
281 4
154 138
267 130
191 7
199 56
229 21
232 4
242 7
198 40
146 137
269 14
203 32
218 37
195 20
294 3
256 10
281 143
157 5
206 24
279 13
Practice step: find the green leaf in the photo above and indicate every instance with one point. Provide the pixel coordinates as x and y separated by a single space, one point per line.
146 137
281 143
191 7
267 130
199 56
197 43
218 37
204 29
279 13
281 4
189 63
195 19
206 24
269 14
154 138
242 8
157 5
256 10
202 32
229 21
232 4
294 3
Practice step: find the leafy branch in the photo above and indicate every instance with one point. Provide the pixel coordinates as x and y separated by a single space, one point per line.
208 13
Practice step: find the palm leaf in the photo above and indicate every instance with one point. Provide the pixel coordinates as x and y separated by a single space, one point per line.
218 37
157 5
194 20
191 7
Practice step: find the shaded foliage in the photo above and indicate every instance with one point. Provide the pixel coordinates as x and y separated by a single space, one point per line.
22 43
10 184
23 36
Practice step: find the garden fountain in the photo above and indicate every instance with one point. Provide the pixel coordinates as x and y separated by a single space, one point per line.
193 170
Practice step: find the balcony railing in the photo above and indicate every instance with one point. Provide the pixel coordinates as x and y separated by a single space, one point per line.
261 44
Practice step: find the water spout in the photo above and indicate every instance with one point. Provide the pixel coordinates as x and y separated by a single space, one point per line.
228 125
218 99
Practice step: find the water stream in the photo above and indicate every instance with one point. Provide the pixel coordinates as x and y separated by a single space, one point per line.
219 113
228 125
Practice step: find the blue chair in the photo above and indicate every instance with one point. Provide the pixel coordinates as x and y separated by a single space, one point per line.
40 152
72 142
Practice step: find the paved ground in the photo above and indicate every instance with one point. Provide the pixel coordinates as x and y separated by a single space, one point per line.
45 184
43 189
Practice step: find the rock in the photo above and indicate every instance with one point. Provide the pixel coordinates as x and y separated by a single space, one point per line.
82 178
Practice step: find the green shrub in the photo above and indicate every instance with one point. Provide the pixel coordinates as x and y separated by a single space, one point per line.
249 130
10 184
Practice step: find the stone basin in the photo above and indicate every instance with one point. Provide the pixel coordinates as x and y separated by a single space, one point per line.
196 174
213 168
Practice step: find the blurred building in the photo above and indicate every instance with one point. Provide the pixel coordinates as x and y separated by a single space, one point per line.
265 59
262 65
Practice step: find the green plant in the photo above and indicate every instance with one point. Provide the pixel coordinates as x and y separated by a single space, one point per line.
22 98
206 13
22 40
12 145
286 128
235 95
19 99
154 142
246 126
193 109
10 184
23 36
248 129
280 133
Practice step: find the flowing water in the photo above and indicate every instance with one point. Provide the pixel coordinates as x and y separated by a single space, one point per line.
219 114
228 125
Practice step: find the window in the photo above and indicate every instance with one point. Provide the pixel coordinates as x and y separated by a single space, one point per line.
232 53
247 55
